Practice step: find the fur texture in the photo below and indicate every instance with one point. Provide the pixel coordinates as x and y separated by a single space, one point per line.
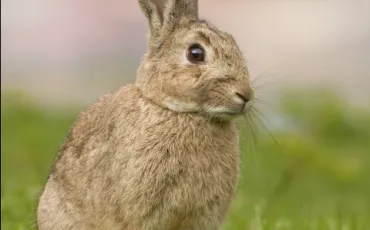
162 153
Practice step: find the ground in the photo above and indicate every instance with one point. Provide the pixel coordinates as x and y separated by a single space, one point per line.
311 172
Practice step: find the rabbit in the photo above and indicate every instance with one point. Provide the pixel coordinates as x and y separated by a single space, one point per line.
161 153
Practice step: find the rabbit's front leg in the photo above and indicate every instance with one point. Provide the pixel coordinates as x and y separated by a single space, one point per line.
55 214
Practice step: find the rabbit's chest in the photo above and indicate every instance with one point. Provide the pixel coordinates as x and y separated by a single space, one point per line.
185 177
177 171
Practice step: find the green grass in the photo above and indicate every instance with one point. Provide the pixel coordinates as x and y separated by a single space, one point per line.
315 176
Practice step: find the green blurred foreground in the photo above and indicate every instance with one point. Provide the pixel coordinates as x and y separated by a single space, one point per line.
314 173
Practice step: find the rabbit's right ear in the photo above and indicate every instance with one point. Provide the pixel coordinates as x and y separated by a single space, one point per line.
164 15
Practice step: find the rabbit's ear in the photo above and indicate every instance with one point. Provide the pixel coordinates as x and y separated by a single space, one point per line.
164 15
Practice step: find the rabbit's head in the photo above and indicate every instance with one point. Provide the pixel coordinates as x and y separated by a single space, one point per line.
191 66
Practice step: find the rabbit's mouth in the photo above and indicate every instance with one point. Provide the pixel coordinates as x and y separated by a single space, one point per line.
226 114
232 114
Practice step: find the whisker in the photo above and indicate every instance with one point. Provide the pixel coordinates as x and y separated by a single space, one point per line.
251 128
267 73
253 142
274 82
257 78
265 128
267 105
262 101
260 114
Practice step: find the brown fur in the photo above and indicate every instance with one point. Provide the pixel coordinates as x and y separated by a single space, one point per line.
162 153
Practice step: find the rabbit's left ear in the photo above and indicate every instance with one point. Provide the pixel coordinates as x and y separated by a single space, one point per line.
164 15
179 11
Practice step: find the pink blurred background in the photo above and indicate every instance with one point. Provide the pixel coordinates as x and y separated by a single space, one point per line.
72 51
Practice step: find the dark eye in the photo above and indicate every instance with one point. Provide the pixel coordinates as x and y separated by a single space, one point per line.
196 53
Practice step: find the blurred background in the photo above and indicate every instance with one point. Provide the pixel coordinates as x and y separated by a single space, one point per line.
305 151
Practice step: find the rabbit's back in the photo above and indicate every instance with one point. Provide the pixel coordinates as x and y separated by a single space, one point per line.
135 165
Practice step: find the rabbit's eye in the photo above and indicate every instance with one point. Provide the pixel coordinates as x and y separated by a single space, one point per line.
196 53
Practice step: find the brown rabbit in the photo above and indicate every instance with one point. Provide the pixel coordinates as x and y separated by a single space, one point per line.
162 153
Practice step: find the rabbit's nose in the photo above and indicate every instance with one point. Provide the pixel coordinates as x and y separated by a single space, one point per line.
245 96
